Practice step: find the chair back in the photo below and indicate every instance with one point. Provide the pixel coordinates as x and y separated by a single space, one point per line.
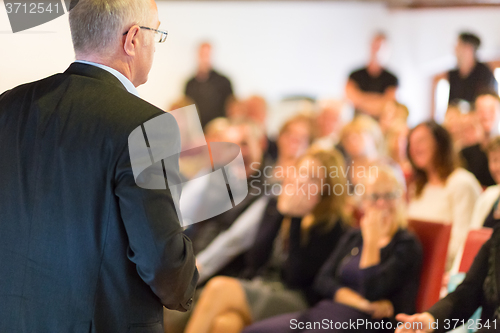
475 239
434 238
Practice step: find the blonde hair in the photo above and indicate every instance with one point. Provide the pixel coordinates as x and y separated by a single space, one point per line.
300 118
217 126
331 207
493 144
97 25
387 175
365 124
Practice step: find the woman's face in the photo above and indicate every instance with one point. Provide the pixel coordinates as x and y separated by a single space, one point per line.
494 164
422 147
294 141
383 196
311 173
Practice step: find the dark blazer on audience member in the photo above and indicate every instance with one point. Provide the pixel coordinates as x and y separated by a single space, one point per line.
396 278
305 256
82 247
480 288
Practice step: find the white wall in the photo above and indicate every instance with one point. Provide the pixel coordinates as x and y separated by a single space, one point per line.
423 44
273 48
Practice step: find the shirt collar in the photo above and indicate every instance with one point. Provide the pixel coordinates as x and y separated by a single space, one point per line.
126 82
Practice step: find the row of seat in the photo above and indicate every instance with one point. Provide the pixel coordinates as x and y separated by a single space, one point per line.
435 238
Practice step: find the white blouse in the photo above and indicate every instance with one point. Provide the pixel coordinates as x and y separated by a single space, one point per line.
452 203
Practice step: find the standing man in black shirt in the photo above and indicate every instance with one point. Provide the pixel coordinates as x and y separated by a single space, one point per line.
370 87
471 77
208 89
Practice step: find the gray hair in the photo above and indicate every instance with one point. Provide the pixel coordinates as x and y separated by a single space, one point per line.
97 25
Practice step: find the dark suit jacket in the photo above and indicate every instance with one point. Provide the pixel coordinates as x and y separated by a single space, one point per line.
82 247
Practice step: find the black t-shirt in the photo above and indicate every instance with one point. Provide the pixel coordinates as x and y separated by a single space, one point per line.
378 84
477 163
209 96
467 88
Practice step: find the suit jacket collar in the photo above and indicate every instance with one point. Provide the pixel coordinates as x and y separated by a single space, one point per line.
94 72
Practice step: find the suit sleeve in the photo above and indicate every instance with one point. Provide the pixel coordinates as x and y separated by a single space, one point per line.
162 253
462 303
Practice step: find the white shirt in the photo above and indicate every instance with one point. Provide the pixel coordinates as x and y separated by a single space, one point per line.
126 82
451 203
482 209
232 242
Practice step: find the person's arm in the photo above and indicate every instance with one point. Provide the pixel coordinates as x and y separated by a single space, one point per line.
464 193
162 253
326 282
232 242
465 300
305 257
461 303
370 102
382 280
351 298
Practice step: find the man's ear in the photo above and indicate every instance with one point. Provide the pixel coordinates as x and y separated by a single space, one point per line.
131 39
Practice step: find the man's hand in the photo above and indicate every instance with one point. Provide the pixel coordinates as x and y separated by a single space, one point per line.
421 323
382 309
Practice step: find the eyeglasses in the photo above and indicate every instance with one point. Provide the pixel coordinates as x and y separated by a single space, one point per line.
384 196
160 36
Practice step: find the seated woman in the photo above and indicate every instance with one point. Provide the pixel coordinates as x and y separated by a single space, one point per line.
479 289
373 273
440 191
288 251
363 146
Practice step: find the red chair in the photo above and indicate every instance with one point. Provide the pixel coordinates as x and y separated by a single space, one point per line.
475 239
434 238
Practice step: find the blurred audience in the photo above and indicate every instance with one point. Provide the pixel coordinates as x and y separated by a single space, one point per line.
249 138
471 76
373 272
293 241
328 124
487 109
235 108
486 211
256 110
362 143
440 191
393 114
208 89
370 87
294 139
396 139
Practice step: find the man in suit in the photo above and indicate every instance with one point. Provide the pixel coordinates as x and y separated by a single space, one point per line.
83 248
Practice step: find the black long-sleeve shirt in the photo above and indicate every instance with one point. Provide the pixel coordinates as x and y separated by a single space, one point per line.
396 277
471 293
305 257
